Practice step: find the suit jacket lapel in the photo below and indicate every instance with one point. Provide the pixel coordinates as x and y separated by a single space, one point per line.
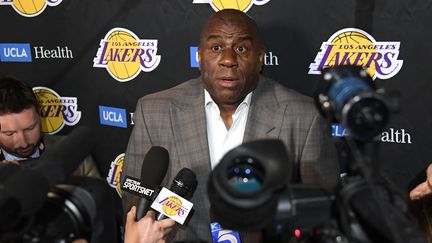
189 122
265 114
189 129
190 135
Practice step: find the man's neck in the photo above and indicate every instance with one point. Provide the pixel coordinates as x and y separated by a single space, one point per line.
226 112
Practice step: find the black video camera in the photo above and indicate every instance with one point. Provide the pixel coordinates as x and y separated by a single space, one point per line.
251 188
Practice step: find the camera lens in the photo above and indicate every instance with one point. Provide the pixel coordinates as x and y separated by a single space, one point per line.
343 89
246 175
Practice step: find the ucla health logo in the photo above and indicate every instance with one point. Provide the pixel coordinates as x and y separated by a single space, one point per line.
194 56
242 5
112 116
56 111
392 135
15 52
30 8
338 130
114 174
270 59
124 55
353 46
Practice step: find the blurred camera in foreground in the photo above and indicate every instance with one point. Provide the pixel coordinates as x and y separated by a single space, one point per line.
252 188
248 191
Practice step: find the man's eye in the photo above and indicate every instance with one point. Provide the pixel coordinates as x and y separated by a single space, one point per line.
28 129
9 134
240 49
216 48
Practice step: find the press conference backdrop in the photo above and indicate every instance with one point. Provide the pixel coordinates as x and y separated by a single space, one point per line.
90 61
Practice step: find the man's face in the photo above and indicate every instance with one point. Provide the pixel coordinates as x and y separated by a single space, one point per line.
20 133
230 58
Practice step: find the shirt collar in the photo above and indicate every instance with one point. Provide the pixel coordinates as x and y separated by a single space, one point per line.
209 100
11 157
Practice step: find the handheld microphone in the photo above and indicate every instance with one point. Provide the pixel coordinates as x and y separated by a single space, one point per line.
184 185
153 170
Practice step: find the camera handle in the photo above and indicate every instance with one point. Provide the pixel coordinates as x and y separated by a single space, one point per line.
366 198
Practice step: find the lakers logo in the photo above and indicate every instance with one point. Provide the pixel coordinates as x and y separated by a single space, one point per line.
356 47
114 174
30 8
242 5
124 55
56 111
172 206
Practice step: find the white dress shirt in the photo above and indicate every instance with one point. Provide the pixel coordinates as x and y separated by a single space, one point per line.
221 140
11 157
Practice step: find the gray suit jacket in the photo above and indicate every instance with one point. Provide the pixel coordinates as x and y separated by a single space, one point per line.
175 119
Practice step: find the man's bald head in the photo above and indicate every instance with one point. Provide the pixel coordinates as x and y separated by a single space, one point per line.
231 17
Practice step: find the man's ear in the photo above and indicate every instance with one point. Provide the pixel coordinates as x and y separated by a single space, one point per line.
261 57
199 58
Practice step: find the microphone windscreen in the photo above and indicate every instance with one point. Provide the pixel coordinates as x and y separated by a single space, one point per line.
154 167
153 170
184 183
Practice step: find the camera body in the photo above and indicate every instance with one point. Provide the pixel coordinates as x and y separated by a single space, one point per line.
252 189
68 213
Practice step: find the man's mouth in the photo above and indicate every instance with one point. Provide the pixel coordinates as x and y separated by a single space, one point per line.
25 151
227 82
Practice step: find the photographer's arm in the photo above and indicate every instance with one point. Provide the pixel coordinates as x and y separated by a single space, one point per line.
147 230
424 188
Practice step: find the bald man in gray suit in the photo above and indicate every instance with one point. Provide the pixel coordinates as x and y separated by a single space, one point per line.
180 119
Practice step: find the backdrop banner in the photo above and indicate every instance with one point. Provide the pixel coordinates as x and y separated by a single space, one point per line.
90 61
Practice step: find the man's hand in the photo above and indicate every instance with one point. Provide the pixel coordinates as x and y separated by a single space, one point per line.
80 241
423 189
147 229
13 162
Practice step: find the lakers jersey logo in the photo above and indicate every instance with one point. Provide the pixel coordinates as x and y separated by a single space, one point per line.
30 8
242 5
356 47
114 174
56 111
124 55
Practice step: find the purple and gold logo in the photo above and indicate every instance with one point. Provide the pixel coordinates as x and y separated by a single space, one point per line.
124 55
242 5
172 206
56 111
114 173
30 8
356 47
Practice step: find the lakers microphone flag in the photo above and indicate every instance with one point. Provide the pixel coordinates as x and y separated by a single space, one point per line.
172 205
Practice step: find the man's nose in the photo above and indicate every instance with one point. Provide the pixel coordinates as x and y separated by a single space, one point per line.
229 58
20 140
